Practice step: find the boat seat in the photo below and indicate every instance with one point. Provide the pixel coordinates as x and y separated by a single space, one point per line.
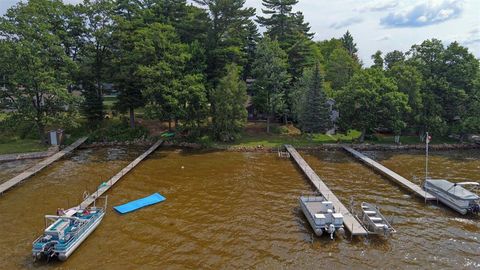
375 219
370 212
379 225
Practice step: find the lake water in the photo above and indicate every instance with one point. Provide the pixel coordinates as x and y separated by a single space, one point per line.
227 210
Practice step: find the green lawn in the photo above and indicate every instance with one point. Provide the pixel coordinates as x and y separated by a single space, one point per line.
274 140
389 139
108 102
21 146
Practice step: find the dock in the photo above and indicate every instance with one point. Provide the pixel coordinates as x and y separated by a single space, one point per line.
40 166
104 187
416 189
349 220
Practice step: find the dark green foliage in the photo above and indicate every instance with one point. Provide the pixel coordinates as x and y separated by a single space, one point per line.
227 36
271 79
393 58
350 45
377 60
315 113
371 100
230 98
118 132
37 64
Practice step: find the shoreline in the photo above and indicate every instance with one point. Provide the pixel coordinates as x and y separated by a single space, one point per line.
320 147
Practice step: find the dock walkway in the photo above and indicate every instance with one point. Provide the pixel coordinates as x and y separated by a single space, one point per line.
40 166
417 190
350 222
105 187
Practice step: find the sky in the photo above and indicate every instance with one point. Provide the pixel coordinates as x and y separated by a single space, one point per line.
384 25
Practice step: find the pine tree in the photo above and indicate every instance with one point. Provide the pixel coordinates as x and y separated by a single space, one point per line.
315 115
271 78
226 37
349 45
230 99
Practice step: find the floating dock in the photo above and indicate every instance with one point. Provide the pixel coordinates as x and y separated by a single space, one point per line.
40 166
350 222
112 181
417 190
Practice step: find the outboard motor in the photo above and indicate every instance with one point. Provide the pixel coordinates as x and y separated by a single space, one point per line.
475 208
331 230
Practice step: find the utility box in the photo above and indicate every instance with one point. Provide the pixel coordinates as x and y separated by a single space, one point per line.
55 137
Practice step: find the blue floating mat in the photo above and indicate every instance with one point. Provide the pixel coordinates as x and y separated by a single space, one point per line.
140 203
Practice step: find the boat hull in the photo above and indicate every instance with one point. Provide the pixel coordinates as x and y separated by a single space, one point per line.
63 255
458 204
319 227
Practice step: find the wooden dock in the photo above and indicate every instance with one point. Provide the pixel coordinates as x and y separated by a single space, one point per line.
417 190
104 187
350 222
40 166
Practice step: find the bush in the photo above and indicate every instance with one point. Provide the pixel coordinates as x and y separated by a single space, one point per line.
119 132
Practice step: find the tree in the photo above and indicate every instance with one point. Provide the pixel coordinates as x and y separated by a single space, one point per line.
291 32
377 60
271 79
315 113
370 99
340 68
394 57
161 59
230 21
350 45
409 81
230 99
36 65
128 19
95 56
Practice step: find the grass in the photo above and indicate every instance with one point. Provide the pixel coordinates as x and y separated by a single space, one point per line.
17 145
255 135
108 102
253 139
389 139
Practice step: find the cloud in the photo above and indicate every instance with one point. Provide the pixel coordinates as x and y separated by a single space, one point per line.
345 23
378 5
383 38
423 14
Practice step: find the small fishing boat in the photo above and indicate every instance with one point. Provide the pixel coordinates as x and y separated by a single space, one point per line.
374 221
321 215
66 231
454 195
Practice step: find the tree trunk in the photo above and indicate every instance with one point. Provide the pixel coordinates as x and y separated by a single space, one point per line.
362 136
169 124
132 117
268 124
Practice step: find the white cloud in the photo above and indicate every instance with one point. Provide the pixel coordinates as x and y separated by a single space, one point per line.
423 13
346 23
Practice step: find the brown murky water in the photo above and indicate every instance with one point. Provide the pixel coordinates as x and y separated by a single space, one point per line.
238 210
12 168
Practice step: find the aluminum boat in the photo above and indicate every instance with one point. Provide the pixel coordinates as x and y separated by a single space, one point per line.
454 195
374 221
66 231
321 215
